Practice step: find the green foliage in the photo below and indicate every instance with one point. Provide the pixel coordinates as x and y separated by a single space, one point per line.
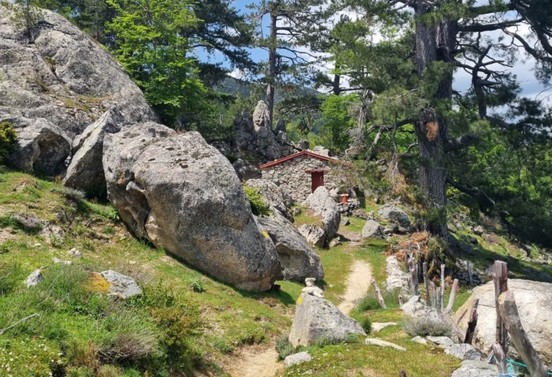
258 205
151 45
284 347
8 139
368 302
366 324
337 120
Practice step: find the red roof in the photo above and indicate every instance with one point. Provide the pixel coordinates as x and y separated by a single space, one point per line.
305 152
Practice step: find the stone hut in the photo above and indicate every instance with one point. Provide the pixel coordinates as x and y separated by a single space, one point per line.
301 173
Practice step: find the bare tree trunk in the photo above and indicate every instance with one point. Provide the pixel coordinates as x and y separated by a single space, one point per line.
272 67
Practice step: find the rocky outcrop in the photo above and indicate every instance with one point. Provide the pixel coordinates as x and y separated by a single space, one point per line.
395 214
314 234
183 195
256 135
372 229
120 285
85 172
322 204
53 88
471 368
534 302
317 319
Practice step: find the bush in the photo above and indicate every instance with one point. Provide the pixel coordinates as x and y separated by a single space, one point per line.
258 205
366 324
8 138
368 302
284 347
428 325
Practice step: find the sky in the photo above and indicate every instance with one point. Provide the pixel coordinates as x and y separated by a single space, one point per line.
522 68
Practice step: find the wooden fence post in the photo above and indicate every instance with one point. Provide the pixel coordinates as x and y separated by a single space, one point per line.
472 322
452 296
426 284
509 313
500 279
402 373
378 294
500 358
442 297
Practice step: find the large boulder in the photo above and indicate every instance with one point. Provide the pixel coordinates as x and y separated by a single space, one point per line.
395 214
64 79
534 302
372 229
42 146
183 195
322 204
85 172
314 234
317 319
298 260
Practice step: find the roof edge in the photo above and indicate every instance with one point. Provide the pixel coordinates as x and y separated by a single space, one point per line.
304 152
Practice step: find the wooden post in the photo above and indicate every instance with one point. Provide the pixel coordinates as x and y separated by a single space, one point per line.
509 313
402 373
500 279
434 295
426 283
378 294
500 358
452 296
442 298
413 275
472 322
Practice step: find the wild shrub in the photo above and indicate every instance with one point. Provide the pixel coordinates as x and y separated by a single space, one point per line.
258 206
284 347
427 325
8 139
366 324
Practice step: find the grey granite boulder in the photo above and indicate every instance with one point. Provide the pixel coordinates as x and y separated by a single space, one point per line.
297 358
34 278
184 196
121 286
314 234
464 351
534 302
298 260
317 319
273 196
372 229
395 214
323 206
85 172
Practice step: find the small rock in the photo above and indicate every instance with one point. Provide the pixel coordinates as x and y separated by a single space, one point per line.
312 289
61 261
478 230
464 351
121 285
34 278
28 222
336 241
471 368
383 343
419 339
372 229
441 341
297 358
378 326
75 253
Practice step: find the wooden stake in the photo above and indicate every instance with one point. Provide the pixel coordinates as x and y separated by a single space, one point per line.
378 294
402 373
509 313
500 358
500 278
472 322
442 291
426 283
452 296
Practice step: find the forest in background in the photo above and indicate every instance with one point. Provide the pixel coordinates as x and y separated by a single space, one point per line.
388 95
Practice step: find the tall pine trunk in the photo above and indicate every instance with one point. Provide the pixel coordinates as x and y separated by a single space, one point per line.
435 42
272 67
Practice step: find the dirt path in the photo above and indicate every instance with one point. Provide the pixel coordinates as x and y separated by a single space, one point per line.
358 283
255 361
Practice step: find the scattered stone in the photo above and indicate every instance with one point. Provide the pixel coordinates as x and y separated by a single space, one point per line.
479 230
471 368
441 341
121 286
391 229
464 351
314 235
28 222
383 343
317 319
34 278
297 358
372 229
413 306
378 326
335 242
393 213
61 261
75 253
312 289
52 233
419 339
361 214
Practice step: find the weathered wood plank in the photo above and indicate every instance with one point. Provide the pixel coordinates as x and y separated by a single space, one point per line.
500 279
472 322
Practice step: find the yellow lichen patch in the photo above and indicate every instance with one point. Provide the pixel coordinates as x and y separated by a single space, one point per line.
97 283
432 129
265 233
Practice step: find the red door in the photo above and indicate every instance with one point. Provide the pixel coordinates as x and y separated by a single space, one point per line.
317 180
